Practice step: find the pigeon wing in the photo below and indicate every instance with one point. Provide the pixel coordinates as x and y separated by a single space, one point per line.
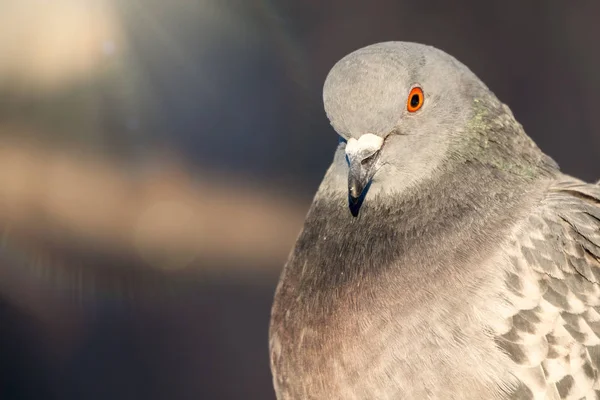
553 333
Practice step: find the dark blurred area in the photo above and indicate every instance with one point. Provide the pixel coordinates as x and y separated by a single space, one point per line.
157 159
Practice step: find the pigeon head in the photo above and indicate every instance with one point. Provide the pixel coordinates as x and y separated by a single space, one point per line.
401 109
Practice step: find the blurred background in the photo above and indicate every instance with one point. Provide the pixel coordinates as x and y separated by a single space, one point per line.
157 160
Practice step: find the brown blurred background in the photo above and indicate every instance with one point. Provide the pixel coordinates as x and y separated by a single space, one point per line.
157 159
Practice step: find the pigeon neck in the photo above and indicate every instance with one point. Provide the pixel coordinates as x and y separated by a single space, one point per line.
418 228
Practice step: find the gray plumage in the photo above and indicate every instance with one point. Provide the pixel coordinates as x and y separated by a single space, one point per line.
471 270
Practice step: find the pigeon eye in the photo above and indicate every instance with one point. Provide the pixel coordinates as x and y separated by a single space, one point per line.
415 99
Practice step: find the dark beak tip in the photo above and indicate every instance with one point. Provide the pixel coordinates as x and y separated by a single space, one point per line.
357 190
355 203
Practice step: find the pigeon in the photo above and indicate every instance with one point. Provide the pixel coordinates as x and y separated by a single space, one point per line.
444 256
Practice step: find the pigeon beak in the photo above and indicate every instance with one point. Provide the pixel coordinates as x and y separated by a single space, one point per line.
360 175
362 155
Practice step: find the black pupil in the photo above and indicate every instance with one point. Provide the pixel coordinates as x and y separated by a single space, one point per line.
414 100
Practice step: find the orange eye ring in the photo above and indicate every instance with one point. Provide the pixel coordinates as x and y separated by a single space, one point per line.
415 99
